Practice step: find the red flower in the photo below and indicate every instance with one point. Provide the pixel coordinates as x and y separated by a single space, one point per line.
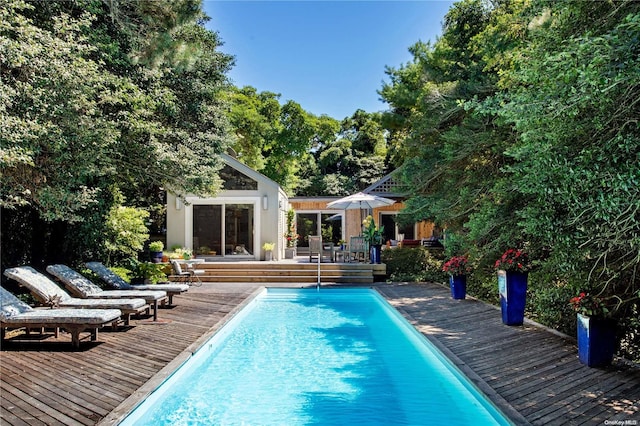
457 265
513 260
589 305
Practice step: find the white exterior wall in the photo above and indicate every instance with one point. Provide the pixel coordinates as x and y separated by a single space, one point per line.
269 222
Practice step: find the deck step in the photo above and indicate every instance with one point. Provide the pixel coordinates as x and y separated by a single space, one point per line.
288 272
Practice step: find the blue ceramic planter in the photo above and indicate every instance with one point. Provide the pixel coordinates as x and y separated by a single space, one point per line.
458 284
375 253
156 256
596 340
513 296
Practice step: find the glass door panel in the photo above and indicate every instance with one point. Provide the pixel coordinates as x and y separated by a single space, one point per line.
238 223
409 231
389 223
331 229
307 224
207 229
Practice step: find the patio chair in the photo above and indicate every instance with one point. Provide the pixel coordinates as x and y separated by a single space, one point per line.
189 276
114 281
49 293
358 247
80 286
319 249
14 313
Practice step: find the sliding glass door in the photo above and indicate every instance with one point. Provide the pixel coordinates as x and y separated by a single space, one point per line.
207 229
238 221
232 236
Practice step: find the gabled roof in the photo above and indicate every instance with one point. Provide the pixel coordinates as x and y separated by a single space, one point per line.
248 171
388 186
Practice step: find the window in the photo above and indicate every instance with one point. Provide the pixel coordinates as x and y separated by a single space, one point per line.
235 180
393 230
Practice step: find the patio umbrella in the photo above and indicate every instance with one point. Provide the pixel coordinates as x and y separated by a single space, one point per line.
360 201
337 216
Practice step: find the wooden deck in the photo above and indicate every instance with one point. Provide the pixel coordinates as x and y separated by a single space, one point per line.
533 374
292 271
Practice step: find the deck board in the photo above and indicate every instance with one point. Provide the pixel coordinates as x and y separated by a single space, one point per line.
543 381
45 382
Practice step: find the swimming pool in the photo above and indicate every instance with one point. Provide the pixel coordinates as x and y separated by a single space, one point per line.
328 357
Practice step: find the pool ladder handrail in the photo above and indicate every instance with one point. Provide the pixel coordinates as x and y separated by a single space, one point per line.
319 261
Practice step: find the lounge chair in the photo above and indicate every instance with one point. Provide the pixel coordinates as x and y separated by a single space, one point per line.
317 247
49 293
115 282
80 286
14 313
189 276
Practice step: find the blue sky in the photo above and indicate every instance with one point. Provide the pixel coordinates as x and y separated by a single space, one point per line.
328 56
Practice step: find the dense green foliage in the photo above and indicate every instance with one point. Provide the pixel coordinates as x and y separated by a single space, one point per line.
306 154
276 139
98 96
413 264
126 232
353 159
519 128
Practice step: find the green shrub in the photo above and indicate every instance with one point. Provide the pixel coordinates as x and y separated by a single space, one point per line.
630 330
483 286
150 272
156 246
413 265
548 303
122 272
126 232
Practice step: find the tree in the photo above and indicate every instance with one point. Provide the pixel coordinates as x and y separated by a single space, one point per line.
276 139
520 129
351 159
88 104
576 157
452 156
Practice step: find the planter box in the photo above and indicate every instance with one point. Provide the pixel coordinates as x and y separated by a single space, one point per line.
513 296
596 340
289 253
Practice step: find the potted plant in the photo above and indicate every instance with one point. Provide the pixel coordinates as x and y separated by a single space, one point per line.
206 250
596 330
148 273
291 236
374 236
457 267
155 251
513 268
181 253
268 250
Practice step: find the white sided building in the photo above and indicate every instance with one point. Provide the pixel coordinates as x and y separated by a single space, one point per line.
249 211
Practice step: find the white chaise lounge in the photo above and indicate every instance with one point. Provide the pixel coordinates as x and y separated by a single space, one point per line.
49 293
80 286
14 313
115 282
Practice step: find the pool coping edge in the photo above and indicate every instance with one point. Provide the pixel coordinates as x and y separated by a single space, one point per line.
500 402
118 414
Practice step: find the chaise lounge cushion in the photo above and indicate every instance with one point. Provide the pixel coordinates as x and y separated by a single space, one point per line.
16 312
48 292
82 287
116 282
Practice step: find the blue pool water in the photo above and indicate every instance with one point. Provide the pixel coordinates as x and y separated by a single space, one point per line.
303 357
